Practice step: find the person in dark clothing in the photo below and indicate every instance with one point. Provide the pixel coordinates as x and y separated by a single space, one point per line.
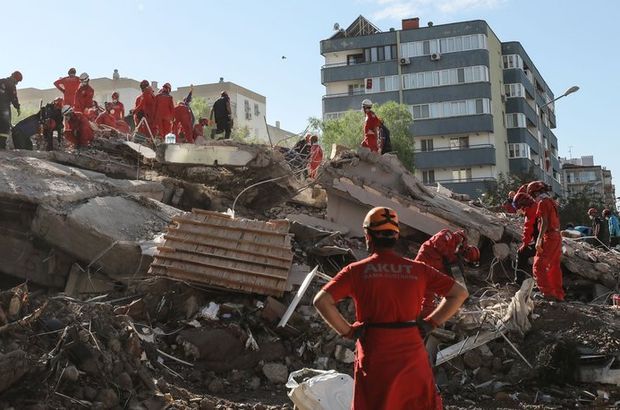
223 116
8 97
600 229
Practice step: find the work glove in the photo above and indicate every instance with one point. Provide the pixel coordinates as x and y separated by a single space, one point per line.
425 327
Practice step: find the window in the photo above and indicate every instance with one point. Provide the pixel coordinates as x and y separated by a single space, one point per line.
355 59
461 175
512 61
380 54
514 90
459 143
256 110
248 112
450 76
356 89
520 150
427 145
444 45
428 177
382 84
451 108
515 120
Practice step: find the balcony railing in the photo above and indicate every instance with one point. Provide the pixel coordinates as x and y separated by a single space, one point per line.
357 92
474 146
483 154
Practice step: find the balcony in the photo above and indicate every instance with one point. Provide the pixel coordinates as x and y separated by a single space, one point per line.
345 101
453 125
474 187
347 72
452 158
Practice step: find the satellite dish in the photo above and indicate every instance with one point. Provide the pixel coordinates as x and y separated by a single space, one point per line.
336 26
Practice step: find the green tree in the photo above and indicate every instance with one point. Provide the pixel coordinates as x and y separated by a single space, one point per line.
25 112
347 130
496 193
200 107
575 208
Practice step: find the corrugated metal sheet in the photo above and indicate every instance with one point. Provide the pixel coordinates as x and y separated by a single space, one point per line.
214 249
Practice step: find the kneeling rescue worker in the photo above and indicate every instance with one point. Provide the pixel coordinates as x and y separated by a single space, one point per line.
392 369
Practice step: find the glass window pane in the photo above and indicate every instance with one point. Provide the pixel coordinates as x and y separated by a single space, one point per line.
380 54
479 109
435 78
443 44
475 41
373 54
417 111
461 75
428 79
451 44
467 42
393 51
458 44
367 55
382 84
426 47
425 111
445 77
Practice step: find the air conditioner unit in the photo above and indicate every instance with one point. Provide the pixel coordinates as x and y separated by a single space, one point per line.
405 61
435 56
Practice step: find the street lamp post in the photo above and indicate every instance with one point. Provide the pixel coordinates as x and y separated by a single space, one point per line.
571 90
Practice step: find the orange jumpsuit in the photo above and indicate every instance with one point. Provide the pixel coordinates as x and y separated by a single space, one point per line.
183 123
199 131
145 108
546 269
84 98
316 157
370 138
105 118
118 110
68 86
82 134
392 369
164 113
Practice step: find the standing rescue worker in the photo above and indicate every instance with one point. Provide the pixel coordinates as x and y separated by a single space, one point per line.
223 116
392 369
525 204
371 127
547 271
117 108
183 122
613 226
84 94
82 134
8 97
145 108
441 251
316 156
164 111
68 86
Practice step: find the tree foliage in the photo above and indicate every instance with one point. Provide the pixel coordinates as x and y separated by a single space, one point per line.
348 130
575 208
200 107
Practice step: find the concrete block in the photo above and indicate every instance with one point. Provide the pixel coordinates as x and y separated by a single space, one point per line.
208 155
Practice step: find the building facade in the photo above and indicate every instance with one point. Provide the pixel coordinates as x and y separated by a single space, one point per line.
249 108
480 107
582 176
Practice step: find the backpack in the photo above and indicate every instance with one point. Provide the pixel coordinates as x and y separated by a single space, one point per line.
386 143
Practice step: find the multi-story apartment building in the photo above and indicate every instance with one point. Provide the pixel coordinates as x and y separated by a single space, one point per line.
581 175
480 106
249 108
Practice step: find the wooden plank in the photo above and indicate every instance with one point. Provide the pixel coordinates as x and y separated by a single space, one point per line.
194 255
173 256
228 253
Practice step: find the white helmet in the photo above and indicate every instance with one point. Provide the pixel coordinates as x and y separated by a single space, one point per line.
66 110
366 103
84 77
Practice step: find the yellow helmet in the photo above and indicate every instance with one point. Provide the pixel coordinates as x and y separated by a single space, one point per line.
384 220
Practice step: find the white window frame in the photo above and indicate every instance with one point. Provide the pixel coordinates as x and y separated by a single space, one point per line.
446 109
444 45
515 120
390 83
519 150
514 90
440 78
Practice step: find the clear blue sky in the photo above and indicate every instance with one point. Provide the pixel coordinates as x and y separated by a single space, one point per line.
571 42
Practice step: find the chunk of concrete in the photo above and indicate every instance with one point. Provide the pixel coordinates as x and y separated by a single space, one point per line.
208 155
501 251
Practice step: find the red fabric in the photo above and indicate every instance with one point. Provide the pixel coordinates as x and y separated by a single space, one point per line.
435 252
68 86
392 370
199 131
105 118
91 113
528 224
118 110
546 268
370 138
316 157
183 123
84 98
508 207
122 126
164 113
145 106
82 134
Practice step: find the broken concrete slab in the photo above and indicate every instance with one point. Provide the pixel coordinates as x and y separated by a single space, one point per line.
215 249
323 224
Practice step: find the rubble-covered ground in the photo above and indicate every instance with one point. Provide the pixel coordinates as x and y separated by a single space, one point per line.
148 342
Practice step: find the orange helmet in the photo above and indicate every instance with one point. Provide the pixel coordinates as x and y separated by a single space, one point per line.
115 95
384 220
592 211
535 187
471 254
522 200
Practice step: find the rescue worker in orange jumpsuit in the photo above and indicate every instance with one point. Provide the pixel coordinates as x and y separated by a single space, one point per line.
109 119
546 269
316 156
442 250
145 108
199 128
392 369
183 122
84 94
371 127
117 109
82 134
164 111
68 86
507 205
526 205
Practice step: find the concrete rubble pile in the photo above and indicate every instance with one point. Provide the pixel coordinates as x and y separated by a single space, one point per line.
171 302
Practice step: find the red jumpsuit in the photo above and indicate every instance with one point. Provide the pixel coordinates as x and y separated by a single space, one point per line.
546 269
68 86
82 132
105 118
436 252
183 123
84 98
164 113
392 370
316 157
145 107
528 224
370 138
118 110
199 131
